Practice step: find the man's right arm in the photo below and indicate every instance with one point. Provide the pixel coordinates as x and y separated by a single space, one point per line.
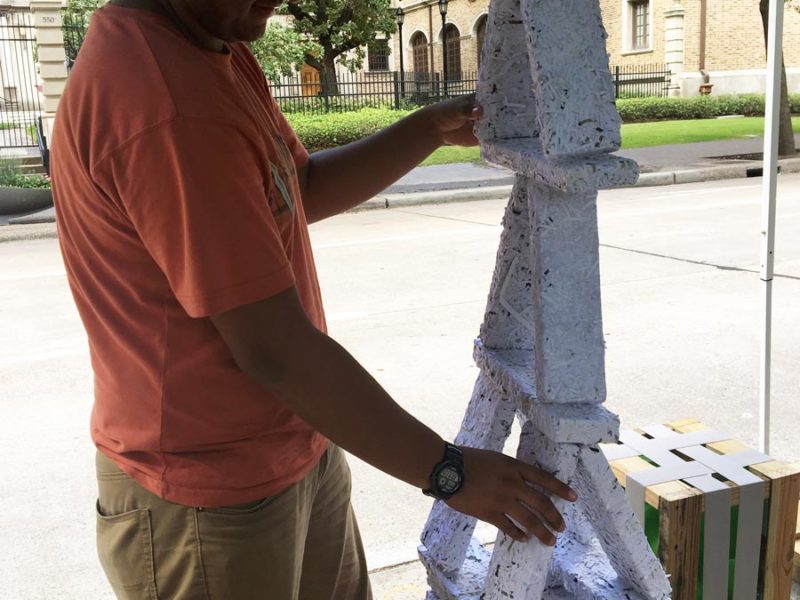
274 343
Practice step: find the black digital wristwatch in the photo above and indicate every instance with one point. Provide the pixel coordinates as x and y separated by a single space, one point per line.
447 477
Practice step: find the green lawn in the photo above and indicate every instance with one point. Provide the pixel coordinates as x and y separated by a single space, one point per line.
639 135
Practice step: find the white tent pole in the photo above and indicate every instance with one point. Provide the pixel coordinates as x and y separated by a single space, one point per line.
771 128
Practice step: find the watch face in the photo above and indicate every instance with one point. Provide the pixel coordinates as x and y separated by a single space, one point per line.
448 480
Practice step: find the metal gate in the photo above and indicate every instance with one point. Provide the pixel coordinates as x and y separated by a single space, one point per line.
20 101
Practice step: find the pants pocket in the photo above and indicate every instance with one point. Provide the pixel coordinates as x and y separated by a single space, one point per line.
239 510
125 548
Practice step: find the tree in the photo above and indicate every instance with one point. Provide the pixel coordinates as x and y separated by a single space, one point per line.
786 145
77 14
83 8
342 29
282 51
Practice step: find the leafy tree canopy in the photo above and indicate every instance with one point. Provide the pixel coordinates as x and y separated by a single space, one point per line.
83 7
282 51
342 28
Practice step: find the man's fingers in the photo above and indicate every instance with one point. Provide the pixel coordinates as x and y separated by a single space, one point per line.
542 506
507 526
549 482
532 523
469 109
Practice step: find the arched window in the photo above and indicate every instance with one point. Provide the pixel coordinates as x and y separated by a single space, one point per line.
480 36
419 45
452 37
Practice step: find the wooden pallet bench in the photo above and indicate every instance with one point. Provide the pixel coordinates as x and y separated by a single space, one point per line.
671 490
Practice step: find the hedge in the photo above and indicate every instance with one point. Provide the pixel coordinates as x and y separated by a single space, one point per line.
635 110
10 176
335 129
318 132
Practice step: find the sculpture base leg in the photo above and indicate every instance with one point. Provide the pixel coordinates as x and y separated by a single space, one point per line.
602 556
465 584
578 571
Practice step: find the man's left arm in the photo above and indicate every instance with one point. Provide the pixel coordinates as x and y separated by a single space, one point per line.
338 179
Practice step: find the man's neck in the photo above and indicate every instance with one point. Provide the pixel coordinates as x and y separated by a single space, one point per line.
179 13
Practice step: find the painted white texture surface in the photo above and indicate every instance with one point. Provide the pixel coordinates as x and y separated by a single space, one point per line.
569 349
574 93
507 94
549 114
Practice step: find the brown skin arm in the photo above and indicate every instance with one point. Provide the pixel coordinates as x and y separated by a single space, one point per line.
338 179
275 344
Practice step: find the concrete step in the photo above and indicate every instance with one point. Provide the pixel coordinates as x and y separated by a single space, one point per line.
34 168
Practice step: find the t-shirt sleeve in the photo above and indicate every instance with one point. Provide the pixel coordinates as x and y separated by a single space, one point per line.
196 192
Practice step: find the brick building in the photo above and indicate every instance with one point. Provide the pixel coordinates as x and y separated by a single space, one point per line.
423 35
721 40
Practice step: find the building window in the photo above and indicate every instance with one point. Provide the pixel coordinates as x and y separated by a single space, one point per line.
452 37
419 44
378 52
640 24
480 37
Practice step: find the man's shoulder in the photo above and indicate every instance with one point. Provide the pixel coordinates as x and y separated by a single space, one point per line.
134 72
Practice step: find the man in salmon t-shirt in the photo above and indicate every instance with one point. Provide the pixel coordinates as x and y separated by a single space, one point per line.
183 198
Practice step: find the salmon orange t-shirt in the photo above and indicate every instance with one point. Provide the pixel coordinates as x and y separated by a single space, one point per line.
175 179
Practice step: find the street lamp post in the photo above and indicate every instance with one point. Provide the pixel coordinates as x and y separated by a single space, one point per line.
400 15
443 12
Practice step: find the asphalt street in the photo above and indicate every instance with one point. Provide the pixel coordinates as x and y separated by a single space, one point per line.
405 291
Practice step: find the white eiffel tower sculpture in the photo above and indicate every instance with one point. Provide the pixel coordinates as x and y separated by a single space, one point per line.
549 115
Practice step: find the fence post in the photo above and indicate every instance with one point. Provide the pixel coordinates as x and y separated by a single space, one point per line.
616 82
52 57
396 80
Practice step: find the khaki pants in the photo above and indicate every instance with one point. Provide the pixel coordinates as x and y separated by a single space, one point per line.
302 544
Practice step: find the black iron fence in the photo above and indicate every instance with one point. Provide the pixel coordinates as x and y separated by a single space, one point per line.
20 102
641 81
313 93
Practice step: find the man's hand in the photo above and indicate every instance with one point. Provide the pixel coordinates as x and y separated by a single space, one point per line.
497 487
341 178
275 344
455 119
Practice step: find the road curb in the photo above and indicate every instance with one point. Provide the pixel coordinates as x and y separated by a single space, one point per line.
22 233
435 197
744 170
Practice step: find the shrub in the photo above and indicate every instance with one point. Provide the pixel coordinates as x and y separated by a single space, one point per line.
318 132
11 177
794 103
700 107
